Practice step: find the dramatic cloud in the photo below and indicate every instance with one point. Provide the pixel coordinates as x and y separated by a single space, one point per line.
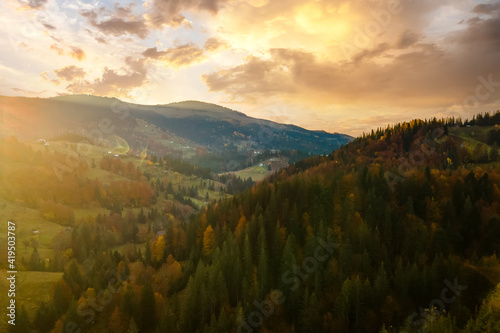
123 21
423 75
70 73
112 82
338 65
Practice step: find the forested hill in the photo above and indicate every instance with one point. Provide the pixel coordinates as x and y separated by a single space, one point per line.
207 135
395 232
366 239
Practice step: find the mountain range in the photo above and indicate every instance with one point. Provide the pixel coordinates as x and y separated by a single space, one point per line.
208 134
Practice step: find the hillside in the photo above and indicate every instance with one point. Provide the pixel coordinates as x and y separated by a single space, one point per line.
395 232
205 134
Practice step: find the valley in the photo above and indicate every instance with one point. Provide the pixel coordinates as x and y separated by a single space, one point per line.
86 209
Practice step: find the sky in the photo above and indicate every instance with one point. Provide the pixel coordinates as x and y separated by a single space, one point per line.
333 65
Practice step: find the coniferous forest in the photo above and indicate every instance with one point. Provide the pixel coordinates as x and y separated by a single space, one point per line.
397 231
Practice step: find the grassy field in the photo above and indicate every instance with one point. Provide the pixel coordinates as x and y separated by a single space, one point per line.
478 133
256 172
178 180
27 220
31 289
472 135
104 175
260 171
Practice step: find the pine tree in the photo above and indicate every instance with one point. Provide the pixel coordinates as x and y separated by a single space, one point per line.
494 155
262 271
381 284
62 297
310 320
344 299
22 322
45 317
35 260
148 313
289 283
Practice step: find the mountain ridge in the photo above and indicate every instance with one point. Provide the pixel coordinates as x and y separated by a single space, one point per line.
176 128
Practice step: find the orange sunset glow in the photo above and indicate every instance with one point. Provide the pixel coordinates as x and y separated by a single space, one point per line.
250 166
335 65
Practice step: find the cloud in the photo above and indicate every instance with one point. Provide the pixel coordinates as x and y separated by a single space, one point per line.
48 26
487 8
101 40
78 53
75 52
28 92
423 75
185 54
369 54
113 82
56 48
122 22
178 56
32 4
70 73
407 39
169 12
480 33
256 77
213 44
403 67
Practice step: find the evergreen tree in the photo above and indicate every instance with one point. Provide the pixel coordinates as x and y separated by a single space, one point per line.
45 317
262 271
494 155
35 263
22 322
148 311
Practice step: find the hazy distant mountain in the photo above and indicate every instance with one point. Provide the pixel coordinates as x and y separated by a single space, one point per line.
172 128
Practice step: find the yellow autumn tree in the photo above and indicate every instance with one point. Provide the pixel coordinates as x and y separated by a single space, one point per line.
208 240
159 304
58 327
90 293
159 248
118 323
120 267
166 275
174 268
199 232
240 228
